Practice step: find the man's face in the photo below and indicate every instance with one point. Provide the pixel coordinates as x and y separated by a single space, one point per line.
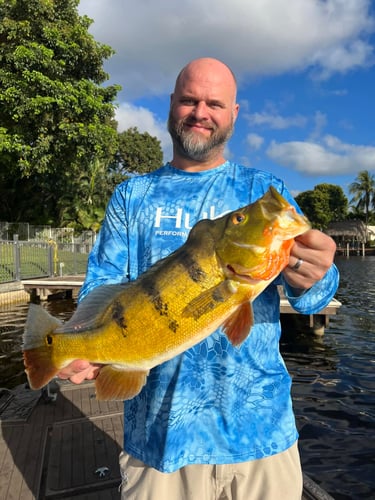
202 114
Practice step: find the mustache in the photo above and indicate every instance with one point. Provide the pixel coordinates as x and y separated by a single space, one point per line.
191 120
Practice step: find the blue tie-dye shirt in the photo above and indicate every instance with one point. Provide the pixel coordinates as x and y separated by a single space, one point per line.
214 403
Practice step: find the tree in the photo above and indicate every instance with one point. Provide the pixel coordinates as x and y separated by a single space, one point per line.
363 191
85 209
324 204
56 117
138 152
337 201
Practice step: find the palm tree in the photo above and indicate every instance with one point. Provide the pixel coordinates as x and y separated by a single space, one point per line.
363 191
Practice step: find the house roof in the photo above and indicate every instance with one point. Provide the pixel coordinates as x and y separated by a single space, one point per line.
348 229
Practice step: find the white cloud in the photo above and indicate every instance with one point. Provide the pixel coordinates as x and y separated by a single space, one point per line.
255 141
153 40
320 122
331 157
340 59
128 115
274 120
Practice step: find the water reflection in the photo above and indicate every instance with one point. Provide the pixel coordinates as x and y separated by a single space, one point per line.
333 382
12 321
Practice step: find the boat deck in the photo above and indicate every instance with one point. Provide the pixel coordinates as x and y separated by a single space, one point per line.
67 447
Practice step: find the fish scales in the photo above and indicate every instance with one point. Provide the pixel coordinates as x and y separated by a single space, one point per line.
208 282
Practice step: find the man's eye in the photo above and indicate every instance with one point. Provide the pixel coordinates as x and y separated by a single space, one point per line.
187 102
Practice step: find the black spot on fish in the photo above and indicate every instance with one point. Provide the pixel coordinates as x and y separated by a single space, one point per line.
160 306
173 325
192 267
118 316
148 284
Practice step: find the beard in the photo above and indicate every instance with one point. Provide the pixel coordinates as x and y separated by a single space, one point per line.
191 144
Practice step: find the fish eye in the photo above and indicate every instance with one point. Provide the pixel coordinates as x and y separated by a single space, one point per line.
237 218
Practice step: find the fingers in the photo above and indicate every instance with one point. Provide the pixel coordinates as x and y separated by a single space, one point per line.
300 274
316 240
310 258
79 370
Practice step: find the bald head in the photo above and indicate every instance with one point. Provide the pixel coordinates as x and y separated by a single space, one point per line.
207 68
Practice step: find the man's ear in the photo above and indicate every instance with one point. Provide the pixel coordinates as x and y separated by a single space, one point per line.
235 111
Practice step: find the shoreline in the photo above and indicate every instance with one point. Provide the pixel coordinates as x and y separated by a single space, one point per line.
12 293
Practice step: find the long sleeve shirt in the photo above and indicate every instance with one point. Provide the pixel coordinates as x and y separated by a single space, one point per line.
214 403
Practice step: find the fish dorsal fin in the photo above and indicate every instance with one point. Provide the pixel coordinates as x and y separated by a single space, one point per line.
91 309
115 383
237 327
209 299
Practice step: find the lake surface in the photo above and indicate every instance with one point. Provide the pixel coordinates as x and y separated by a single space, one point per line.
333 381
334 388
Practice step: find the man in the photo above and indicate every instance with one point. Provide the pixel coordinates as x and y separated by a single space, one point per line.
215 422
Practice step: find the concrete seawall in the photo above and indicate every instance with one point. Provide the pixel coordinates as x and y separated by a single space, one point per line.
12 293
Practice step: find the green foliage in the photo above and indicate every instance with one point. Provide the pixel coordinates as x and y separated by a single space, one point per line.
138 152
363 191
83 202
324 204
56 117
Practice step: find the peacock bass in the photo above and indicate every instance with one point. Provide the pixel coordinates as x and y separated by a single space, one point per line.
210 281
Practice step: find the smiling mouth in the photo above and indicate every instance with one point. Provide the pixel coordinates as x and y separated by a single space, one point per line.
199 125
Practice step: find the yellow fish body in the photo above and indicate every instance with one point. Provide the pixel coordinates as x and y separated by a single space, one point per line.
209 282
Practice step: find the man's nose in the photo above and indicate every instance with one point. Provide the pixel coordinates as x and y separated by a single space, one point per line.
200 111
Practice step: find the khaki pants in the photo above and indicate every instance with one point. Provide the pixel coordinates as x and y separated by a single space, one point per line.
273 478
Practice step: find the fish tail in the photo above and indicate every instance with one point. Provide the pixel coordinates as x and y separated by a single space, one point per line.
39 367
37 353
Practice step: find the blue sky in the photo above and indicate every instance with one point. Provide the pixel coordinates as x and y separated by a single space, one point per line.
306 73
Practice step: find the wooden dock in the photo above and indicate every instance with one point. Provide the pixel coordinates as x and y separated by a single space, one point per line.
67 446
69 285
42 288
317 323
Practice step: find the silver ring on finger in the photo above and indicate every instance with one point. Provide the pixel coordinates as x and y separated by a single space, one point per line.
297 265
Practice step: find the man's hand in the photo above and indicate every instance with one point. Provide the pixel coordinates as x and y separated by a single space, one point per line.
310 258
79 370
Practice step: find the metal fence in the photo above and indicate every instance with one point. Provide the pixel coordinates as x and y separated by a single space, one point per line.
34 259
28 232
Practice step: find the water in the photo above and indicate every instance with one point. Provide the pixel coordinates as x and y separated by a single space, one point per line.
333 382
334 388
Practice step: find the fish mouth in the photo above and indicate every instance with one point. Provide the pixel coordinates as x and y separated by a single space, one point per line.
243 277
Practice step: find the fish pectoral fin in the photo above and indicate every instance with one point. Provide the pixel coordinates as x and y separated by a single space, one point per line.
237 327
209 299
115 383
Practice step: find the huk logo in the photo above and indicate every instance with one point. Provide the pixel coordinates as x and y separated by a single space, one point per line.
178 224
181 220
